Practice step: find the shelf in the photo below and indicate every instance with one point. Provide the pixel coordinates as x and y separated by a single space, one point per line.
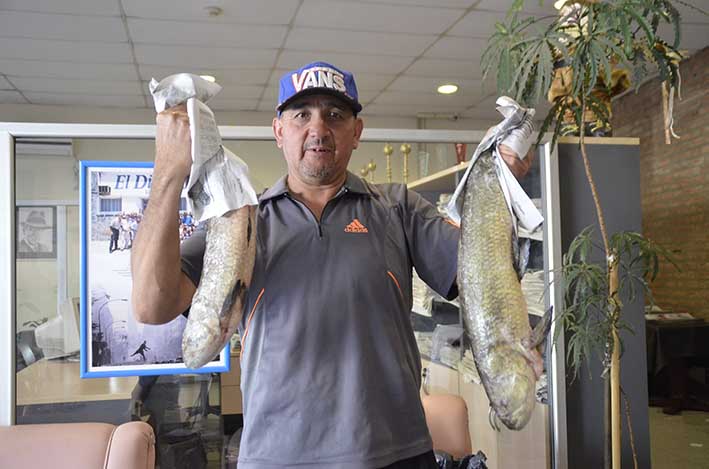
442 181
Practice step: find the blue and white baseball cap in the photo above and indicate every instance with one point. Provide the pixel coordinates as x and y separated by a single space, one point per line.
318 78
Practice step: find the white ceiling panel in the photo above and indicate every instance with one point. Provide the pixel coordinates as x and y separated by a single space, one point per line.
376 64
222 75
76 7
529 6
234 11
314 39
44 68
11 97
266 106
375 17
204 57
480 24
86 100
237 92
405 110
233 105
448 69
426 3
5 85
64 27
465 48
409 84
205 34
433 99
77 86
70 51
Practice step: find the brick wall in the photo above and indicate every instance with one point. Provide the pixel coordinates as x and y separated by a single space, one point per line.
675 182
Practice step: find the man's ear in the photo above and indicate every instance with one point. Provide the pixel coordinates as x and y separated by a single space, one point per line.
278 131
359 126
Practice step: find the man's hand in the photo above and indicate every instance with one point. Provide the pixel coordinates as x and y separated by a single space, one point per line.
519 167
173 156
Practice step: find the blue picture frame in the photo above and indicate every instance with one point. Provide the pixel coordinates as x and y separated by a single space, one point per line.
113 196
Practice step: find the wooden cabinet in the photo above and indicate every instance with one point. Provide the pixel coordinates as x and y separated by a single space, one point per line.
230 388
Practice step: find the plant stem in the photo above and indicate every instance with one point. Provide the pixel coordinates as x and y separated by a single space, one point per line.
615 368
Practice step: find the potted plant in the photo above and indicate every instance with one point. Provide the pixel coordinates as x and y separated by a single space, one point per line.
580 58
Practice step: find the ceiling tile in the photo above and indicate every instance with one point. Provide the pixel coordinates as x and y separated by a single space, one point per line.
64 27
233 104
408 83
398 98
86 100
529 6
375 17
11 97
223 76
234 11
356 63
5 85
457 48
313 39
77 7
78 86
448 69
266 106
44 68
426 3
476 23
405 110
204 57
70 51
206 34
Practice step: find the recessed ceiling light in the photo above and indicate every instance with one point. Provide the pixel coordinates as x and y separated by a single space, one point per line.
209 78
213 11
448 88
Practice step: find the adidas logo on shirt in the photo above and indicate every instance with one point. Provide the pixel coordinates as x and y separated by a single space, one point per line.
356 226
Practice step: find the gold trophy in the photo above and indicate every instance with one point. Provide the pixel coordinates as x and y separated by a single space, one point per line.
388 150
406 149
371 167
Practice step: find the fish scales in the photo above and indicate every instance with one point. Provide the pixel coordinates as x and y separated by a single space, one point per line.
494 308
217 305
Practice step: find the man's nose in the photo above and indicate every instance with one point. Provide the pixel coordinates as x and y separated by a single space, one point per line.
318 125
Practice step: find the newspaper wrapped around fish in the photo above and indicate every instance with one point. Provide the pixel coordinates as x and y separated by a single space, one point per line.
221 195
489 203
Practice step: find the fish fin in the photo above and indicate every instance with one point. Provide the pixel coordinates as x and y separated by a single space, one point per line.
541 330
492 419
520 254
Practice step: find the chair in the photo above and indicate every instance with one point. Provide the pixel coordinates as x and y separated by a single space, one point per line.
447 420
78 446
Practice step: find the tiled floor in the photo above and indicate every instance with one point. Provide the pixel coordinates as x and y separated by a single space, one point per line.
679 441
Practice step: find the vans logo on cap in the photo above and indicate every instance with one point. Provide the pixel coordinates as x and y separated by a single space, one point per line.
319 77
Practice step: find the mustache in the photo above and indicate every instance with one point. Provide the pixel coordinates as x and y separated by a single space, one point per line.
319 144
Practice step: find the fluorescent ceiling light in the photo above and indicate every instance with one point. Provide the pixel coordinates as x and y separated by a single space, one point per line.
448 88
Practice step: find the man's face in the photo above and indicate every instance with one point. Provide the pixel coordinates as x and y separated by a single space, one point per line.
317 134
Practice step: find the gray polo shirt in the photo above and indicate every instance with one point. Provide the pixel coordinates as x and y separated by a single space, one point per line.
330 367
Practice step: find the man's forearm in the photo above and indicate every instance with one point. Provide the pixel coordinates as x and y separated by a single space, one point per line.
155 257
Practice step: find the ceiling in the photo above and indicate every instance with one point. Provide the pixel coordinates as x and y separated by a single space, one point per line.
104 52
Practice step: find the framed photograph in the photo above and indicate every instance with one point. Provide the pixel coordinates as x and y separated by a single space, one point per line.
113 198
36 232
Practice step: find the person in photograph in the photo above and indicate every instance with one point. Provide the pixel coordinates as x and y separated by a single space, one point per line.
125 232
115 227
33 229
331 371
141 350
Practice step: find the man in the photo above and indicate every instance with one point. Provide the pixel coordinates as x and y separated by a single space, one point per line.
141 350
32 229
330 367
115 227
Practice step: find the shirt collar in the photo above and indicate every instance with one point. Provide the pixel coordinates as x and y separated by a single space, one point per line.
353 184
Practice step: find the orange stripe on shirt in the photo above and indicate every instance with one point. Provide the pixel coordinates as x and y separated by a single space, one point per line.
451 222
397 283
248 321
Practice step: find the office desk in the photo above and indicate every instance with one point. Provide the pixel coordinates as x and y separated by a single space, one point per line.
672 347
52 391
